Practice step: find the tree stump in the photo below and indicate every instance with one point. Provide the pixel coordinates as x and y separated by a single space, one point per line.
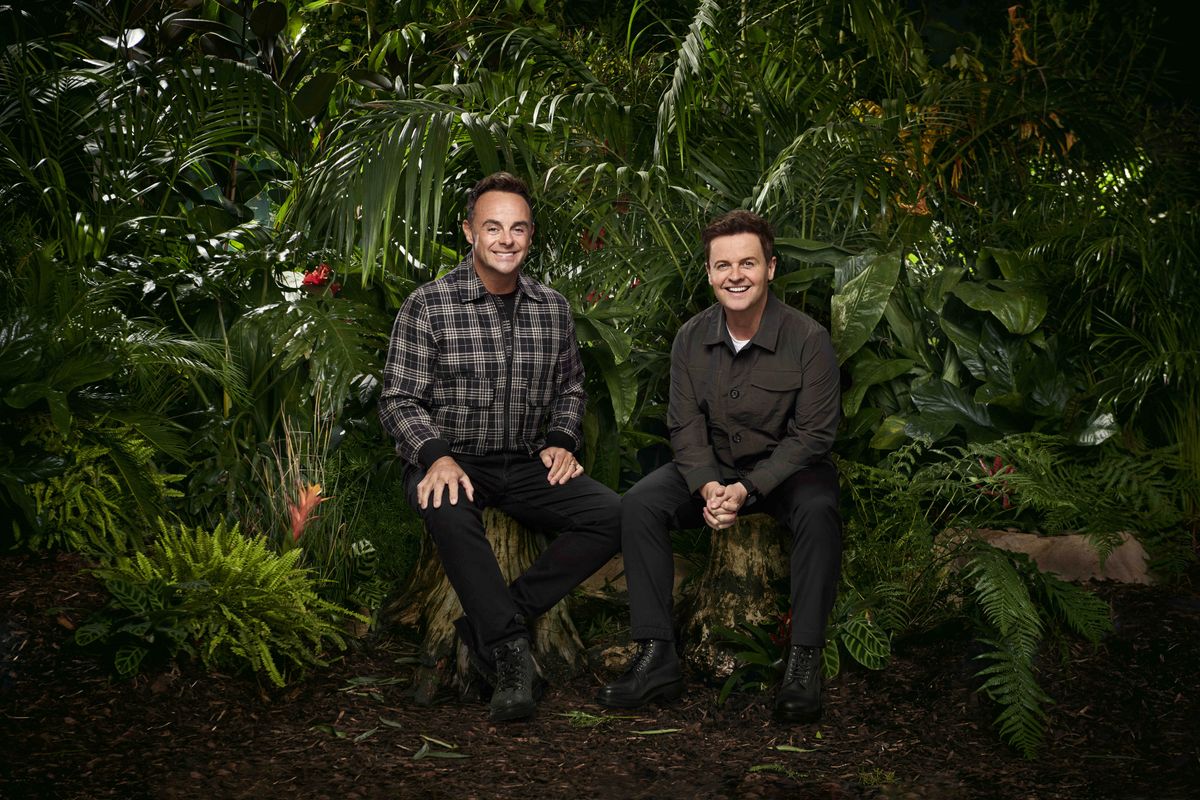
433 605
735 587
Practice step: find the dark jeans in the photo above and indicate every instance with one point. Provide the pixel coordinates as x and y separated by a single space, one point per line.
583 513
805 504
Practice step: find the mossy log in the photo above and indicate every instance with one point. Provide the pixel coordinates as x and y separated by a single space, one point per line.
736 587
433 606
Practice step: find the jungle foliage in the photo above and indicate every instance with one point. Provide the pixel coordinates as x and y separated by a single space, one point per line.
209 212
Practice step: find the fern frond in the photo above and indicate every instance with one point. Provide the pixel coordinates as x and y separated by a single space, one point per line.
1011 683
1081 610
1001 593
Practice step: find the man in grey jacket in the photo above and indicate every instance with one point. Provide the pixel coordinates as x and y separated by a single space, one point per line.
754 407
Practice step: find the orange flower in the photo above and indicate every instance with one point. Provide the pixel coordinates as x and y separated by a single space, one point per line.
308 498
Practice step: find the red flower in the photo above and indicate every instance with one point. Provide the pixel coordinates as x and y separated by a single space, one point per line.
301 512
994 471
319 276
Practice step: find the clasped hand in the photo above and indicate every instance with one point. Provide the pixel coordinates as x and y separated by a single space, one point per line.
722 503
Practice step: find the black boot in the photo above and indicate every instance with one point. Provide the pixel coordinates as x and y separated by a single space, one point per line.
799 698
654 674
516 682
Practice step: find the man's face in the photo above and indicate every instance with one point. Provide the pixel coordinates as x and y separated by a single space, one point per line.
499 232
739 272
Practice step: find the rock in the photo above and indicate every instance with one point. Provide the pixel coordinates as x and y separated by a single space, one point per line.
1072 558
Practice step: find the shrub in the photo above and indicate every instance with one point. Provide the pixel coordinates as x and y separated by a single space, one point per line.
222 596
101 499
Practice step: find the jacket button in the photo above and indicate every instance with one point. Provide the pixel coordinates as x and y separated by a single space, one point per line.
737 438
735 394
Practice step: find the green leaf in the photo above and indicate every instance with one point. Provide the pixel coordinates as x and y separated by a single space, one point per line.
865 641
1013 265
129 595
810 251
858 307
940 285
268 19
966 345
1019 306
1100 427
313 96
942 402
928 428
590 329
831 658
867 371
890 434
799 280
371 79
91 632
129 658
621 380
329 729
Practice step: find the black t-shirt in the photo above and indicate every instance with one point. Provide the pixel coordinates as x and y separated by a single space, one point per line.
507 304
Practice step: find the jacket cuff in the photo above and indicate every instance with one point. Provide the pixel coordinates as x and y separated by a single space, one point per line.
557 438
431 451
698 477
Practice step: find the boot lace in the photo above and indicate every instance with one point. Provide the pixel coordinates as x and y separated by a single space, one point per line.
510 671
802 665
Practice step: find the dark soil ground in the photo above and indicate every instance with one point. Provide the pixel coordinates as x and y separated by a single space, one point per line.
1125 724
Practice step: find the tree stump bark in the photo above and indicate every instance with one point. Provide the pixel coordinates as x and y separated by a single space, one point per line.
434 606
735 587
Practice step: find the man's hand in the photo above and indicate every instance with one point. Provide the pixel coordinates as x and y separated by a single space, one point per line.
443 474
562 465
722 503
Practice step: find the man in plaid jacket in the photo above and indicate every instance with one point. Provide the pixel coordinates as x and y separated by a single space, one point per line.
483 392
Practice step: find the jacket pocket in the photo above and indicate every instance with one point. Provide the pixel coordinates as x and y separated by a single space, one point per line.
786 380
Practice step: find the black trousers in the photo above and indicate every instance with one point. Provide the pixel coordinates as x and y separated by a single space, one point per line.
806 504
582 515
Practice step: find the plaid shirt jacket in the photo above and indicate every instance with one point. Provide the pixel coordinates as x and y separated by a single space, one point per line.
461 380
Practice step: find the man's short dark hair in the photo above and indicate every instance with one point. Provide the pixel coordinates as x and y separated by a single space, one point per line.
497 182
740 222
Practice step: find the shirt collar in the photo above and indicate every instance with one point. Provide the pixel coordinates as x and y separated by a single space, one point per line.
767 335
470 288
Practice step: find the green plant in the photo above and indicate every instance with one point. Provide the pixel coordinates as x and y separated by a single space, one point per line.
102 498
763 648
902 580
314 492
1018 604
240 605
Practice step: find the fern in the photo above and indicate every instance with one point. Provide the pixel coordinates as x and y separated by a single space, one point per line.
1080 610
1007 588
237 603
1001 593
1010 682
101 501
1099 491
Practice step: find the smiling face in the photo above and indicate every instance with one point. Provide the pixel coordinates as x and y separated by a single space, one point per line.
739 274
500 231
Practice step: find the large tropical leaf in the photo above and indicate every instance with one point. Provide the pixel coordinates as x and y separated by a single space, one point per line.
859 306
1019 305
